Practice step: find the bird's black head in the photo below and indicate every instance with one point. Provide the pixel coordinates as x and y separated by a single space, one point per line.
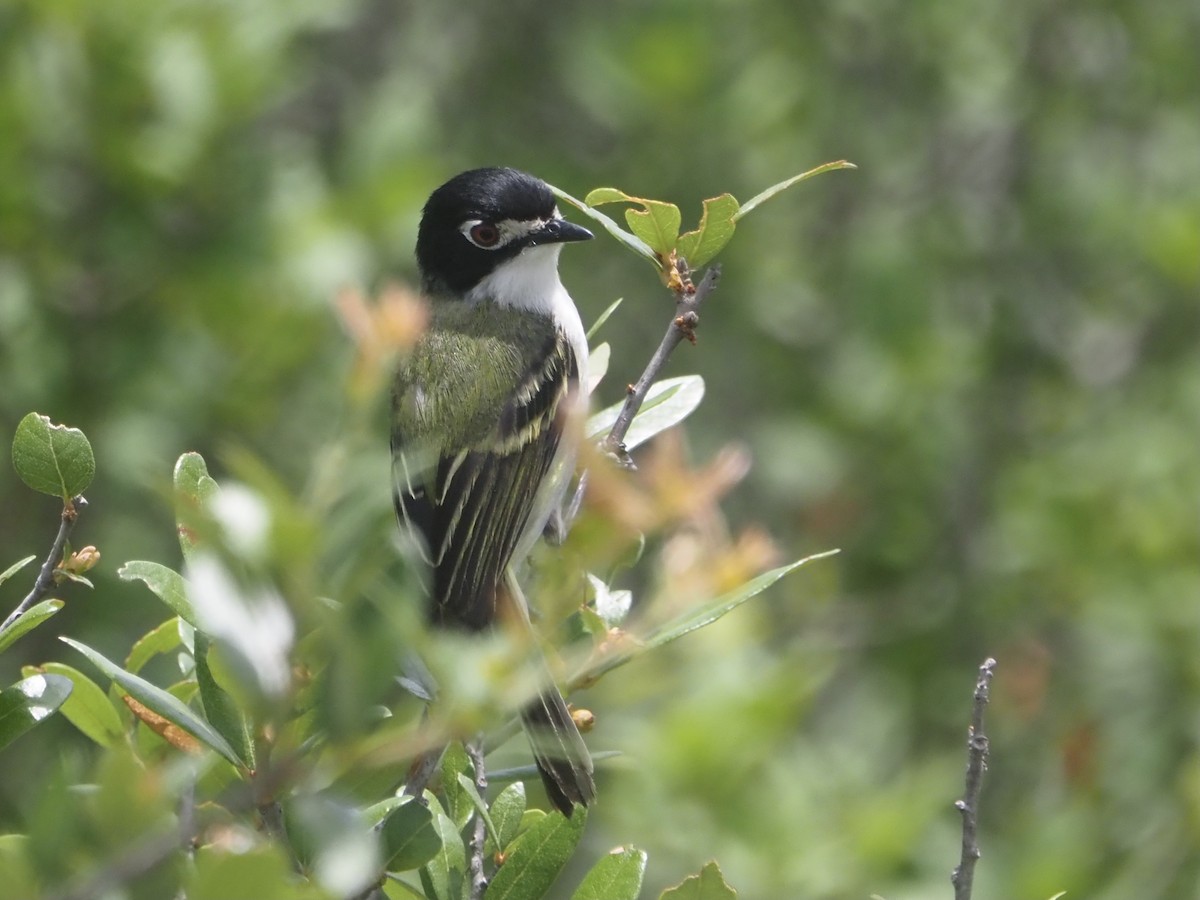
479 220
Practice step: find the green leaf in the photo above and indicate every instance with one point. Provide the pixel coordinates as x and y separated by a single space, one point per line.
506 812
88 708
28 702
455 762
162 639
166 583
222 712
757 200
668 402
596 326
600 196
410 837
617 876
472 793
714 232
443 876
692 620
161 702
634 243
194 487
17 567
697 618
537 856
27 621
708 885
657 224
191 479
52 459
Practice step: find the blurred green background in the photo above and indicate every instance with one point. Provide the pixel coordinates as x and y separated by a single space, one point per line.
972 365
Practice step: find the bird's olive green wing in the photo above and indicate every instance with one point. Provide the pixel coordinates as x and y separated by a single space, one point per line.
471 503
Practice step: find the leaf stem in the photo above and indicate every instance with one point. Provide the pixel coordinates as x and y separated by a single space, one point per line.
45 578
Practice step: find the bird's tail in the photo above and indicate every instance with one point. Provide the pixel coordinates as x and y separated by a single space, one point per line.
558 749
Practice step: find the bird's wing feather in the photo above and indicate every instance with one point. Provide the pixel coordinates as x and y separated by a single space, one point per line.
472 504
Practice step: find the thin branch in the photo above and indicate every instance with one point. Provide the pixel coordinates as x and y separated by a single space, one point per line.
45 579
688 299
963 876
479 880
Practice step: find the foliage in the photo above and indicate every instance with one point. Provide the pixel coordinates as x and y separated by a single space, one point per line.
970 365
250 739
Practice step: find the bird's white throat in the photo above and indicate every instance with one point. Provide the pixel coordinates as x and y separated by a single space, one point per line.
530 281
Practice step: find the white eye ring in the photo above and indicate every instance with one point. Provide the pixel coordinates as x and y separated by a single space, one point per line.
483 235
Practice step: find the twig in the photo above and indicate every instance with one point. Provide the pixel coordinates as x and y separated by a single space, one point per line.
963 876
45 577
683 325
479 880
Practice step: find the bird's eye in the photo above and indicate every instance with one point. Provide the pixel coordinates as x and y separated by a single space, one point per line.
484 234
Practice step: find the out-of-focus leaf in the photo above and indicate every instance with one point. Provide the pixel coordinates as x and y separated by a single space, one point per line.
634 243
761 198
708 613
714 232
537 856
194 487
597 366
27 621
708 885
668 402
166 583
28 702
260 872
410 837
220 709
162 639
52 459
15 568
611 606
618 876
690 620
598 324
443 876
506 812
250 622
191 478
88 708
160 701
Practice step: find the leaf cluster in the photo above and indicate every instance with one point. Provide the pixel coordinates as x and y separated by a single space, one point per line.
224 716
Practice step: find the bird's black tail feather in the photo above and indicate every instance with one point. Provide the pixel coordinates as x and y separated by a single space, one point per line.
558 749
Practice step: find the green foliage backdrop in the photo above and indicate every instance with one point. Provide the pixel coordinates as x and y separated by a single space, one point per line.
971 365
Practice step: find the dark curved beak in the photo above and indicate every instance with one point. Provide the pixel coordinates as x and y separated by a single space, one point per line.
559 231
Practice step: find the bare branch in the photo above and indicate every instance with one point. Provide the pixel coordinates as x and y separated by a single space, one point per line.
479 880
688 299
963 876
45 577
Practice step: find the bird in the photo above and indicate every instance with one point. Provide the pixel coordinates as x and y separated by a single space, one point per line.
484 420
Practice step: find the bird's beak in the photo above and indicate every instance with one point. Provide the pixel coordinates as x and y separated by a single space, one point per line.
559 231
